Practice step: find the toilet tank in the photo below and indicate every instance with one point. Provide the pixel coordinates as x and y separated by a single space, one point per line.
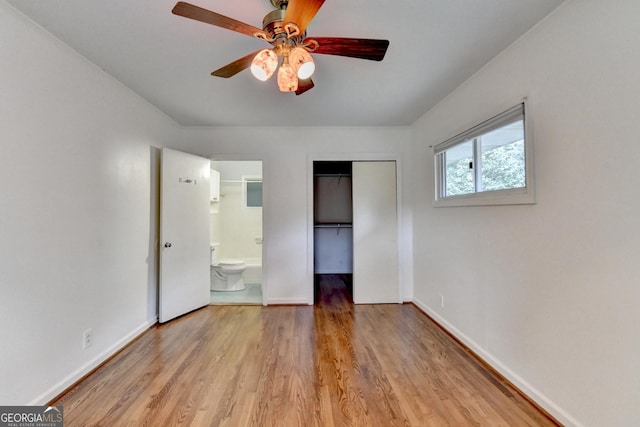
215 249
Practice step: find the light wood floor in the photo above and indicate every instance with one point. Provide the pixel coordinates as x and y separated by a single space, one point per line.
333 364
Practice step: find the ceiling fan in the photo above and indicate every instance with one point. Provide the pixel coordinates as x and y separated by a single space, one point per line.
285 29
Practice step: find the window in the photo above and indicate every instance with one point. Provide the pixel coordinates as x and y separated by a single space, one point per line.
252 189
489 164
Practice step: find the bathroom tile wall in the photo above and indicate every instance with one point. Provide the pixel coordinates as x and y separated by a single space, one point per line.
234 225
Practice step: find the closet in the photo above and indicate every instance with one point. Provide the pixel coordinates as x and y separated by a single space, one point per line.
356 227
333 220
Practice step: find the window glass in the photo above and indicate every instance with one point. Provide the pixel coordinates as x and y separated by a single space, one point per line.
254 194
459 169
502 158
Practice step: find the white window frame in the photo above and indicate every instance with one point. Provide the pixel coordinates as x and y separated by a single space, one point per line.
245 180
513 196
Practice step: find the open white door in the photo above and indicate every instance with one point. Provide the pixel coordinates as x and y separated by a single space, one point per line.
184 234
375 233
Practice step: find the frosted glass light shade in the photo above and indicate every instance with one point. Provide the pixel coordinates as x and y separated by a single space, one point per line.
302 62
287 78
264 64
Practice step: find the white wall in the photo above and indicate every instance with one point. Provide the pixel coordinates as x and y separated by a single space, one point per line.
287 155
549 293
77 166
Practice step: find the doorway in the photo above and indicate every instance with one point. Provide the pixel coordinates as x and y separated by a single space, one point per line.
236 226
333 226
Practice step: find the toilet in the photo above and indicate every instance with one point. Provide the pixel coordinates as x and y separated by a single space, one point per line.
226 274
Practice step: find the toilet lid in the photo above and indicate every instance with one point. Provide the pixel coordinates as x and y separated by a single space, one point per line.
228 261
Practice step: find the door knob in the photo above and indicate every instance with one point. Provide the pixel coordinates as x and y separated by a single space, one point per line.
167 245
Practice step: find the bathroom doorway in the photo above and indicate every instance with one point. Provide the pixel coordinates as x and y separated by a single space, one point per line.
236 232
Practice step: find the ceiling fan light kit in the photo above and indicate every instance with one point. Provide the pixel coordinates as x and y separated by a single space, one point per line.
302 62
287 78
264 64
285 29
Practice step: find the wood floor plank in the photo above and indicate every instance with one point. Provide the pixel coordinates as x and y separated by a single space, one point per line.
333 364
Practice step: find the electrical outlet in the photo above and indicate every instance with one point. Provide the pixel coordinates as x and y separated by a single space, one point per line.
87 338
441 301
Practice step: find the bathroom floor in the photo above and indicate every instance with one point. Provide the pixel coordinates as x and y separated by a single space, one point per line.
251 295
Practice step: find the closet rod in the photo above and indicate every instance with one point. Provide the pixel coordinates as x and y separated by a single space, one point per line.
341 225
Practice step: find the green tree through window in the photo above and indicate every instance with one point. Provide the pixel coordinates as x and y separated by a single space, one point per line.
503 167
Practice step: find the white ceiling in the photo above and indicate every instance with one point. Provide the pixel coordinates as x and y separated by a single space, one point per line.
434 46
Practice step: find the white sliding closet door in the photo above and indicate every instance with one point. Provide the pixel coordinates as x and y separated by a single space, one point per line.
375 233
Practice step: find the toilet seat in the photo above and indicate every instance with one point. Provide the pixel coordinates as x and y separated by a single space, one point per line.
228 265
230 269
230 261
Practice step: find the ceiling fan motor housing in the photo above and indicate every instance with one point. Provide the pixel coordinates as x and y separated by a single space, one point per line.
280 4
272 24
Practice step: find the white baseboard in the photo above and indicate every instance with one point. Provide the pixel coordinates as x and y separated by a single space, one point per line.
89 366
288 301
522 385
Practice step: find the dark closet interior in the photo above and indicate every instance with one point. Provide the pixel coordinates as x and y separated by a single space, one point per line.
333 221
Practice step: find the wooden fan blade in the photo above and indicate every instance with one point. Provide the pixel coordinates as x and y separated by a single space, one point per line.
301 12
372 49
208 17
304 85
236 66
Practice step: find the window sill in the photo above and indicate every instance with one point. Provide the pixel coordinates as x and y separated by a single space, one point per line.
520 196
